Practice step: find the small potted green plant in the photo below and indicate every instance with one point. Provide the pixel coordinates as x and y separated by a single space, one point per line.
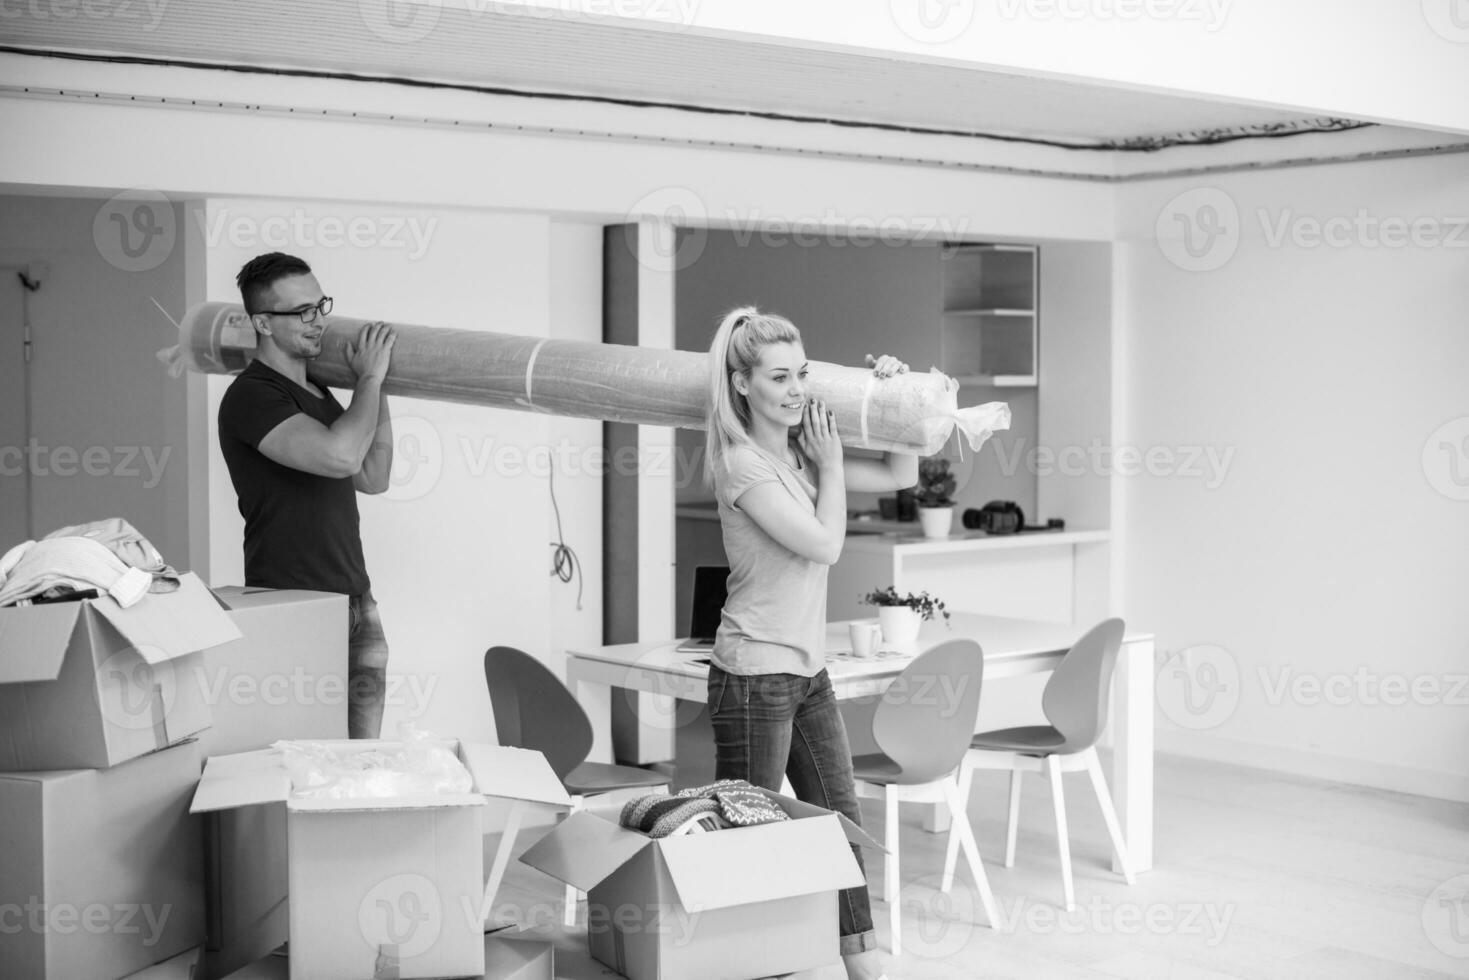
935 496
900 615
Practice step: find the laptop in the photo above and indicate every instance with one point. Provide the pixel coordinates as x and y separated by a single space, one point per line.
710 591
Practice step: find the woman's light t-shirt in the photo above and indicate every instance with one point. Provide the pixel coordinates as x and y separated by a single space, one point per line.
774 620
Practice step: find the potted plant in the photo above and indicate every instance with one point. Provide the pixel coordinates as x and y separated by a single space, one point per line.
934 494
901 615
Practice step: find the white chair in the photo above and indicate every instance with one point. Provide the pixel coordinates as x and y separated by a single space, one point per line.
923 725
1075 703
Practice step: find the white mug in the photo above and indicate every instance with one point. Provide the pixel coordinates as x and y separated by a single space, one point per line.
865 635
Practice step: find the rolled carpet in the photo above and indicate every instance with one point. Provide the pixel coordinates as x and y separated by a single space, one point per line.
911 412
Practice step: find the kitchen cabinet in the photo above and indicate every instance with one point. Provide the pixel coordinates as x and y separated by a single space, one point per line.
1040 575
990 319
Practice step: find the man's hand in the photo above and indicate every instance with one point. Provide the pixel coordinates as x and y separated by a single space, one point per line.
371 355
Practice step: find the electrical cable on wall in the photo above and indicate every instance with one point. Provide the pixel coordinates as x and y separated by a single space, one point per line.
564 563
28 285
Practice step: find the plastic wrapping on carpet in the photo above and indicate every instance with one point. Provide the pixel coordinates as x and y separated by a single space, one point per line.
911 412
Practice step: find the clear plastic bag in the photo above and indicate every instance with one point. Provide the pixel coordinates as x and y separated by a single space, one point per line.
420 764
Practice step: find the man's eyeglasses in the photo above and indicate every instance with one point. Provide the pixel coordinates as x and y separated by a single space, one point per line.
307 315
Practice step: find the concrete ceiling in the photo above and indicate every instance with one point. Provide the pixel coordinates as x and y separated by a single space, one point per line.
555 58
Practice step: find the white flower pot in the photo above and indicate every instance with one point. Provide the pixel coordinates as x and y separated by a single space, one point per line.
936 521
899 628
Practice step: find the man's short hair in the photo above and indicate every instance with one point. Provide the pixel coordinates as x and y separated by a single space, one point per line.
262 272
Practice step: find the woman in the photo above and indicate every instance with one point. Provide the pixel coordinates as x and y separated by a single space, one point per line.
783 509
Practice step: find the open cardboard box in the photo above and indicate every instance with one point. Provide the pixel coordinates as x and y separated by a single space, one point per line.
384 887
509 955
736 903
285 678
89 684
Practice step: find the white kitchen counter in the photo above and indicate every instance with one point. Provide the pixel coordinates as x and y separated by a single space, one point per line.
1044 575
916 543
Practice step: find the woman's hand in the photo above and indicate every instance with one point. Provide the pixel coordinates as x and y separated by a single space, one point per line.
818 439
886 366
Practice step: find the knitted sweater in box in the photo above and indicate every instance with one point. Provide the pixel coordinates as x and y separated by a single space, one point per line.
726 803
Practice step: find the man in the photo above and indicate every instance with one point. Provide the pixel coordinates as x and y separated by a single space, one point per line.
297 461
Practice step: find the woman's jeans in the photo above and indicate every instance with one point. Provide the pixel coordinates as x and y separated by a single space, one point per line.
769 725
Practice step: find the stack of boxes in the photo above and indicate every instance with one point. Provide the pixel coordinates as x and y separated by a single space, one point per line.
115 855
107 716
101 864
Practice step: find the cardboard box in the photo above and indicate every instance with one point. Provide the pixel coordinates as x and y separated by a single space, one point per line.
180 967
384 886
737 903
86 685
506 958
510 956
246 887
285 677
101 870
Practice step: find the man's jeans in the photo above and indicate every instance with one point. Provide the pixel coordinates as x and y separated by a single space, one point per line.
766 725
367 667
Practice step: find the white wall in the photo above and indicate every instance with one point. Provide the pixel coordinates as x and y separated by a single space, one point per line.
575 271
1332 549
575 609
458 547
1323 546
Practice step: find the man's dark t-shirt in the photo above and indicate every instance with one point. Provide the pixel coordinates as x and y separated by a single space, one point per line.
301 530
